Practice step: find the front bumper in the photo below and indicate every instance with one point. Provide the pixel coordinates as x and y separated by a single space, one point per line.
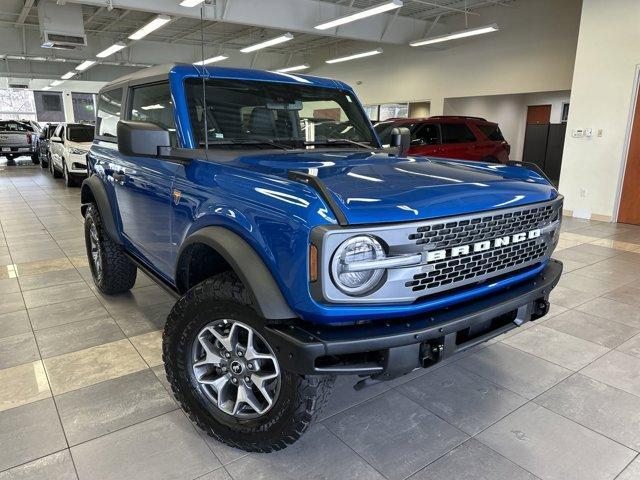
394 348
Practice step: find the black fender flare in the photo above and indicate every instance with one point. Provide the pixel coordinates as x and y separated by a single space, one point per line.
93 190
249 267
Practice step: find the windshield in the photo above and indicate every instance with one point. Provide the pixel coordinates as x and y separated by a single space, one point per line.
80 133
241 112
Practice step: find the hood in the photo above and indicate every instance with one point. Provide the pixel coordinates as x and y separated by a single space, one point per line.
373 187
80 145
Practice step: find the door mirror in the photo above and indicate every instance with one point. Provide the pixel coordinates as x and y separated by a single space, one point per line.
56 139
401 138
142 138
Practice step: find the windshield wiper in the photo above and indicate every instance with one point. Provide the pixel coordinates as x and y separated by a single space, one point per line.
247 141
338 141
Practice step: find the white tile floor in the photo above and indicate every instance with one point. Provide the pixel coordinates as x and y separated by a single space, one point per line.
83 395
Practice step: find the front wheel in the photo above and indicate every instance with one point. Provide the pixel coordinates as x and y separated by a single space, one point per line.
35 159
55 173
228 378
69 181
111 269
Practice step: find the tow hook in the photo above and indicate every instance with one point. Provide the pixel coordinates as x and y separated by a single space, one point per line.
540 308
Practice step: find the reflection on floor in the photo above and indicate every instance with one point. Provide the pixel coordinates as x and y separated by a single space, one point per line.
83 395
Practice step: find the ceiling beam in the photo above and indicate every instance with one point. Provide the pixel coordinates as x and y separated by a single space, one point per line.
24 12
297 16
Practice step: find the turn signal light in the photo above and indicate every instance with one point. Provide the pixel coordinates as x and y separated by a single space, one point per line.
313 263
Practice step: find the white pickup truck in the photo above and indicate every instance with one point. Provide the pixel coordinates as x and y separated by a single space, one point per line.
18 139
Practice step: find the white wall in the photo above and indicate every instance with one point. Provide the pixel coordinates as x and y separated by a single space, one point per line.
602 91
534 51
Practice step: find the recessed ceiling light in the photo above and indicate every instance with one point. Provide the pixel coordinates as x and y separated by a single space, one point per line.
355 56
84 65
268 43
153 25
190 3
296 68
215 59
55 83
68 75
454 36
369 12
116 47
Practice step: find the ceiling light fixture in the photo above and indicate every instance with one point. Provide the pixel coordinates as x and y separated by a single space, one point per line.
116 47
55 83
190 3
456 35
47 88
355 56
155 106
369 12
217 58
153 25
84 65
296 68
68 75
268 43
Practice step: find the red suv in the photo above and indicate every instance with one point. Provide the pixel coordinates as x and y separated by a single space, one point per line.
464 138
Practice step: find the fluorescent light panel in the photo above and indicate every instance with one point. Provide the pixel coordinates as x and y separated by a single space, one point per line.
190 3
368 12
68 75
116 47
295 68
215 59
454 36
153 25
84 65
55 83
268 43
355 56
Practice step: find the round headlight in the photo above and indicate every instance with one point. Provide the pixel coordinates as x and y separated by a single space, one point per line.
356 249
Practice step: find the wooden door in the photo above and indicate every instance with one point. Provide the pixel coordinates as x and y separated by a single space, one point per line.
629 211
538 114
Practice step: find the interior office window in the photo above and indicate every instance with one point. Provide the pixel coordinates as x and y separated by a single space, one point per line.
153 104
456 133
83 107
373 112
108 114
393 110
565 112
49 106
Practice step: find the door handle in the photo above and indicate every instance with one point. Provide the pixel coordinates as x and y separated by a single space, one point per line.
119 177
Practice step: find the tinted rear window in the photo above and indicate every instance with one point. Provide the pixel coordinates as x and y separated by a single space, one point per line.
492 131
456 133
80 133
13 127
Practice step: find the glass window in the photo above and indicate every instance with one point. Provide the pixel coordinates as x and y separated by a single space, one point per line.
49 106
255 113
59 132
373 112
153 104
456 133
427 134
109 106
13 127
492 131
83 107
80 133
393 110
565 112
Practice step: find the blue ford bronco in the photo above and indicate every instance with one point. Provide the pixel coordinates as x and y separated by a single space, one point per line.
297 247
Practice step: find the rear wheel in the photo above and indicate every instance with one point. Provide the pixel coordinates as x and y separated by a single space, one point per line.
35 159
228 378
10 160
111 269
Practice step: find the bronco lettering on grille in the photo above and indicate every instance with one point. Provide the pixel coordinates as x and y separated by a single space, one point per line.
460 250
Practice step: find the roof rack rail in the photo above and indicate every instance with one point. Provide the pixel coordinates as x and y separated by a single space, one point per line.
459 116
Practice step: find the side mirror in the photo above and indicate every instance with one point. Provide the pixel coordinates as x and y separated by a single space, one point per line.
401 138
141 138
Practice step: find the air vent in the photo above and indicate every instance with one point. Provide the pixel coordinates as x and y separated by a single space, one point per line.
18 85
62 41
61 26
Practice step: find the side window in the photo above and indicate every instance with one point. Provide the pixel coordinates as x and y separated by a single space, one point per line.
153 104
58 132
456 133
491 131
427 134
109 107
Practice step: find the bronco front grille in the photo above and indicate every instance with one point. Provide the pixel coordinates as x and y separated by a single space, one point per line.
468 267
483 227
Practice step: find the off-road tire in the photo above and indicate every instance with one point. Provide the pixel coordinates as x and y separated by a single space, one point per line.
10 161
35 159
118 272
299 400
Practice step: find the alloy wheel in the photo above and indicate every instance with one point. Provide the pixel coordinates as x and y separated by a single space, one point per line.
96 253
235 369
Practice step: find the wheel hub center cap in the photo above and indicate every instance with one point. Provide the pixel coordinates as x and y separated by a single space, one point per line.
236 367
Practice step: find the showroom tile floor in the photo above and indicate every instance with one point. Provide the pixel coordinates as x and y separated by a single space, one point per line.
83 394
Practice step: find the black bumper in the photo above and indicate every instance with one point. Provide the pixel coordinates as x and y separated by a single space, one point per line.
389 349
